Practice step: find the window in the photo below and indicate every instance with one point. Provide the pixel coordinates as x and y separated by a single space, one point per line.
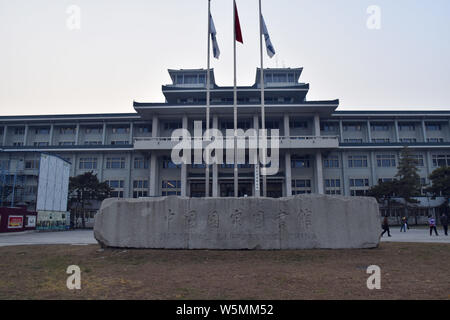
32 164
386 160
119 142
359 182
17 144
298 124
172 125
42 131
357 161
381 180
245 125
88 163
272 124
408 140
435 140
359 187
140 188
115 163
121 130
117 186
352 127
67 130
442 160
92 143
140 163
168 164
300 162
171 188
419 159
406 126
279 77
302 186
384 140
333 186
66 143
19 131
4 164
380 127
331 162
353 140
96 130
433 126
144 129
329 127
40 144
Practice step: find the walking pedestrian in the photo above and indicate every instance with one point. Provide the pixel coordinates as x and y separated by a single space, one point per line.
385 227
432 224
444 222
403 224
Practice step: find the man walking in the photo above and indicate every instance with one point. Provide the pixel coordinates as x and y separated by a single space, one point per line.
432 224
385 227
444 222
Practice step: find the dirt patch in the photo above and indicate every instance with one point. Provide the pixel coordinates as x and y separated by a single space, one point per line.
409 271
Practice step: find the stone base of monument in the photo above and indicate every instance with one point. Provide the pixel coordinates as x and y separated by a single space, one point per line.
300 222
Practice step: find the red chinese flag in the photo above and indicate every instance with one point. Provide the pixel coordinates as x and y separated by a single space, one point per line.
237 25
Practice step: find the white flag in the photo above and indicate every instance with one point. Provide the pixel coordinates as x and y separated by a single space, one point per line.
215 46
269 46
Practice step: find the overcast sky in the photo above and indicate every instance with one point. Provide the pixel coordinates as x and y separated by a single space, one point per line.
123 49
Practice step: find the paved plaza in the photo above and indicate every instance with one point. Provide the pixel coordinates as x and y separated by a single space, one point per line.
78 237
84 237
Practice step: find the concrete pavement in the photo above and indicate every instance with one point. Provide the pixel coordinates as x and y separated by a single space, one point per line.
83 237
78 237
415 234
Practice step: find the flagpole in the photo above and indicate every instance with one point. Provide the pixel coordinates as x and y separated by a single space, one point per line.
208 95
263 114
236 173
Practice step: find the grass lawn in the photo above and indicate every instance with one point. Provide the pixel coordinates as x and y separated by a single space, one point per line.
409 271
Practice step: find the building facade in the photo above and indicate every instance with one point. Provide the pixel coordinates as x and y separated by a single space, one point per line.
322 150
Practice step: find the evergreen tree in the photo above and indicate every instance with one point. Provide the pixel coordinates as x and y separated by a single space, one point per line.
85 188
440 184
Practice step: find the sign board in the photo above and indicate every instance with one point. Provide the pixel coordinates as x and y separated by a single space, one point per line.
15 222
31 222
53 185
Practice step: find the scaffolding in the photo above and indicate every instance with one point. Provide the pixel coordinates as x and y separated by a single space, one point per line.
12 182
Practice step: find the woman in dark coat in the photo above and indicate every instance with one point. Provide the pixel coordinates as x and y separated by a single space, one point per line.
385 227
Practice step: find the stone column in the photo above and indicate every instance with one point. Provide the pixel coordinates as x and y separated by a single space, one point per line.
424 131
77 133
50 140
130 180
369 132
319 173
287 129
104 134
287 158
341 131
25 136
215 167
184 166
372 167
317 125
154 160
397 135
131 133
5 130
288 173
153 175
